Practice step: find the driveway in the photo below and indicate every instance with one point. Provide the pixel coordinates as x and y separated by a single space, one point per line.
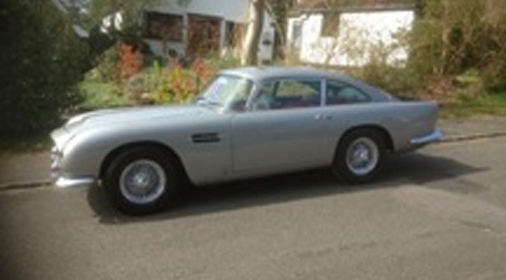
25 169
436 214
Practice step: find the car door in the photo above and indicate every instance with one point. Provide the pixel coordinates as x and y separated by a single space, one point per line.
281 130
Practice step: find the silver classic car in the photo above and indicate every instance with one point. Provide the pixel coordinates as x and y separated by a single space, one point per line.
248 122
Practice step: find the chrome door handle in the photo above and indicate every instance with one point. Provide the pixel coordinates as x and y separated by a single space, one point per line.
322 117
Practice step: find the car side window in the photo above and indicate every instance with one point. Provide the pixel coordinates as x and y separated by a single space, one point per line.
342 93
287 93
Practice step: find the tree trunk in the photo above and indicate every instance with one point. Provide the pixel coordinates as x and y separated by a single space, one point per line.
250 52
280 8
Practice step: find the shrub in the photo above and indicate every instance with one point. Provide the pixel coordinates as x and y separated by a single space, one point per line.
42 61
455 36
395 80
165 81
180 84
169 83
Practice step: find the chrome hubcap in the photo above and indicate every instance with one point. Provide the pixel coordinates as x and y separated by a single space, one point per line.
142 181
362 156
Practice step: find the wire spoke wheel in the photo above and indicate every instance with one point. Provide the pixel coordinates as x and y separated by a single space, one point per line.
362 156
142 181
359 156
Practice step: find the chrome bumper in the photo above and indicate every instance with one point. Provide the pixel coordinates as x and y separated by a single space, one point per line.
434 136
59 178
63 182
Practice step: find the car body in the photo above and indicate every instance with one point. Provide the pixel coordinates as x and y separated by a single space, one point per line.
248 122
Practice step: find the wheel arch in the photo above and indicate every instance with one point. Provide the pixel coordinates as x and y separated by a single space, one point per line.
387 137
151 144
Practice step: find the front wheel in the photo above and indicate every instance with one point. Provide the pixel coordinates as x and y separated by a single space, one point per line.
141 180
360 156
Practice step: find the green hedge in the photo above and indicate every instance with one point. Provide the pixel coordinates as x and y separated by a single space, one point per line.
41 61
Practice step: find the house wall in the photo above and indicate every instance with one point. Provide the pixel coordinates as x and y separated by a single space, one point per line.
310 29
228 10
359 34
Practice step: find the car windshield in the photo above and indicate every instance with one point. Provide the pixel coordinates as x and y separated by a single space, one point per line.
226 91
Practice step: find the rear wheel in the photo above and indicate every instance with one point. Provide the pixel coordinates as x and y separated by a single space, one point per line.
360 155
142 180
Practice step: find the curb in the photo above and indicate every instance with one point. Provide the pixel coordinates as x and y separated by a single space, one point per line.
23 185
446 139
469 137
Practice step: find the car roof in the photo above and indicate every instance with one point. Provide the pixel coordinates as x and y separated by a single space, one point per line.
272 72
261 73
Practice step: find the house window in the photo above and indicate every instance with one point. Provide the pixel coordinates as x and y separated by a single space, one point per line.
204 35
165 27
330 25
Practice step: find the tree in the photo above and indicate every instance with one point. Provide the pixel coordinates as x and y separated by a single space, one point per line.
454 36
250 53
42 61
280 10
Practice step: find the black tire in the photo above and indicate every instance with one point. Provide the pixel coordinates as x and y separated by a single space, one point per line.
153 168
371 142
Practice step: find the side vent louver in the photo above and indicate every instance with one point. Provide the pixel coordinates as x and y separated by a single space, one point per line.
205 138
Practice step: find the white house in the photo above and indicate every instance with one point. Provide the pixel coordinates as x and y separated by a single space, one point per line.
188 28
349 36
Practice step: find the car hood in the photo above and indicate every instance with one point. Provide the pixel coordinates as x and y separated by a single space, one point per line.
126 117
136 114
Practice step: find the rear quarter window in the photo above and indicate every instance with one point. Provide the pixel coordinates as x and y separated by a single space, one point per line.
342 93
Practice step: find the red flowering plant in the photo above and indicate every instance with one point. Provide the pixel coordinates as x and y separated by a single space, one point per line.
179 84
130 61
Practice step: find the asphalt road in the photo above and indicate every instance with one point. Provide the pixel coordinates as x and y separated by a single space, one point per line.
436 214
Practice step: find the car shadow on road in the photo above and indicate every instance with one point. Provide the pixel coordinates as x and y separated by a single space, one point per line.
415 168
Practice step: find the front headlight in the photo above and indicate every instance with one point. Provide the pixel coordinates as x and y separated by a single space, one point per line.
56 156
75 120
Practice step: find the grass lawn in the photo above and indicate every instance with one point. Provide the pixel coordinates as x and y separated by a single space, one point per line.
490 104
